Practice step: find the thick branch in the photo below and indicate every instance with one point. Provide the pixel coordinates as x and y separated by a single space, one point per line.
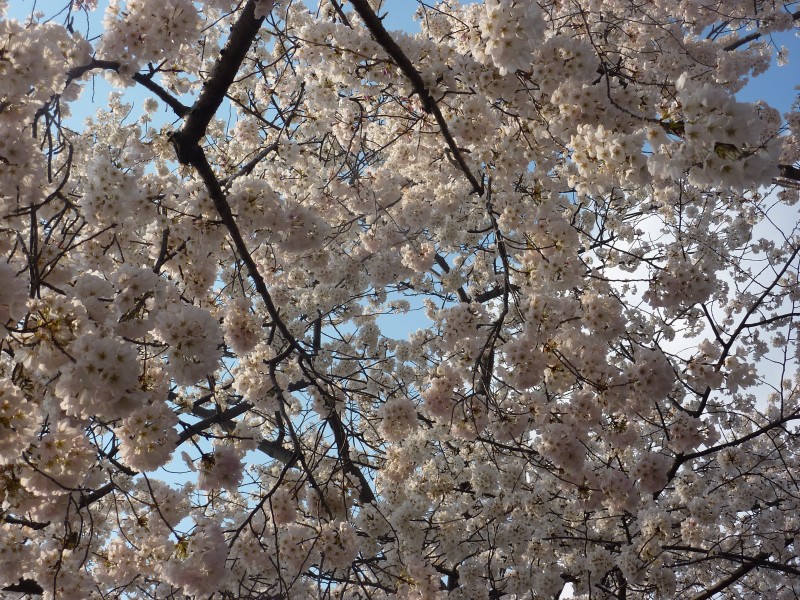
217 418
25 586
429 105
189 152
195 157
789 172
225 418
187 145
36 525
222 75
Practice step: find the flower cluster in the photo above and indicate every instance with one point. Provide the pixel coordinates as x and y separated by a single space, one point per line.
398 417
17 423
680 283
194 338
484 339
510 30
198 562
605 159
253 381
103 380
13 298
34 65
338 545
148 436
148 30
111 193
722 135
241 327
59 462
220 470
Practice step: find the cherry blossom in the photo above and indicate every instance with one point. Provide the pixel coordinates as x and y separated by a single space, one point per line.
303 307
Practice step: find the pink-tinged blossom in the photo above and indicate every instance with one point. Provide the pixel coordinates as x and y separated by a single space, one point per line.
18 419
510 30
651 471
241 326
505 307
148 436
13 296
220 470
197 564
103 380
59 461
148 30
194 340
399 418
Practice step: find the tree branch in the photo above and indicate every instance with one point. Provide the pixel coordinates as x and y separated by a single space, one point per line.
25 586
789 172
222 76
429 105
753 36
146 81
735 576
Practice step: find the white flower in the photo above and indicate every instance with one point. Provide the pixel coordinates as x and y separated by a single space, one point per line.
221 470
194 338
13 294
148 436
17 423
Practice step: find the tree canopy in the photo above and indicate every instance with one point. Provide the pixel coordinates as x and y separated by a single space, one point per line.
307 308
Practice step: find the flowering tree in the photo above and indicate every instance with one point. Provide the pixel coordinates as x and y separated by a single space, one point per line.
199 395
